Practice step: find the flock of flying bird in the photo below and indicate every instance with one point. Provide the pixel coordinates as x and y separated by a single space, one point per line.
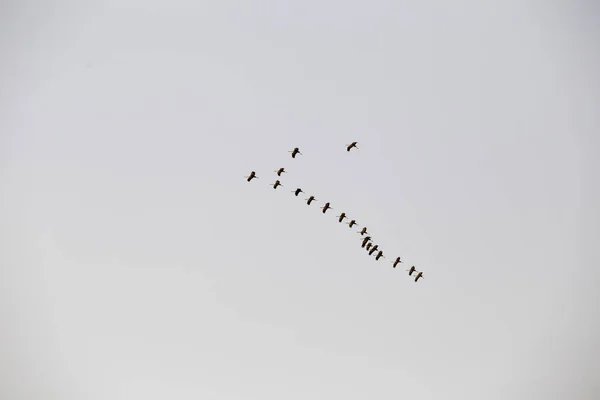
367 242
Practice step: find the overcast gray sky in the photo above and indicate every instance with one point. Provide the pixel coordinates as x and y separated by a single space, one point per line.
137 263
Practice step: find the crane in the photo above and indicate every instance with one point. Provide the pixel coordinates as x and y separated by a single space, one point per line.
353 222
419 275
373 250
326 207
375 247
297 191
411 270
342 216
363 231
369 245
277 183
310 199
351 145
365 241
294 152
397 261
280 171
251 176
379 255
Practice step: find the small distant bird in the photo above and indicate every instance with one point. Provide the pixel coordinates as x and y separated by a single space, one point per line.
397 261
310 200
369 245
379 255
342 216
375 247
294 152
277 183
280 171
297 191
373 250
353 222
419 275
365 241
363 230
411 270
251 176
351 145
326 207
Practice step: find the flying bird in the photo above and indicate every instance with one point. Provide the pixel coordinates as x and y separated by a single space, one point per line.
373 250
342 216
375 247
294 152
369 245
379 255
280 171
351 145
326 207
419 275
397 261
297 191
251 176
277 183
310 199
411 270
365 241
353 222
363 230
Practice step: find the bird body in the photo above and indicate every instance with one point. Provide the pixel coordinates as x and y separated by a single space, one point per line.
276 184
280 171
419 275
351 145
251 176
379 255
411 270
351 223
365 241
373 250
294 152
310 200
326 207
375 247
342 216
297 191
397 261
369 245
363 230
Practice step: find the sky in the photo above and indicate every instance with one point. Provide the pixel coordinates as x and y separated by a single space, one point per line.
137 262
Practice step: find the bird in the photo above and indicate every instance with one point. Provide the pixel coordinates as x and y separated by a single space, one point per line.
310 199
294 152
326 207
369 245
351 145
297 191
251 176
342 216
397 261
277 183
363 231
353 222
365 241
280 171
379 255
375 247
411 270
373 250
419 275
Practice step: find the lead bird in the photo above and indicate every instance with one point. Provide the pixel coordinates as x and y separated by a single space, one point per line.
277 183
353 222
411 270
297 191
294 152
280 171
251 176
351 145
342 216
310 200
419 275
363 231
365 241
397 261
326 207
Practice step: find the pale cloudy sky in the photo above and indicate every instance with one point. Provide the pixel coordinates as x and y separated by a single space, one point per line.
137 263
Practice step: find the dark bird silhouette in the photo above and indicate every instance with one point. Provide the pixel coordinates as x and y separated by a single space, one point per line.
351 223
326 207
411 270
310 200
342 216
365 241
397 261
419 275
363 230
294 152
379 255
277 183
351 145
251 176
373 250
280 171
375 247
369 245
297 191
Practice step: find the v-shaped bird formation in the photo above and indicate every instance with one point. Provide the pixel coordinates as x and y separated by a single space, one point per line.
370 247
